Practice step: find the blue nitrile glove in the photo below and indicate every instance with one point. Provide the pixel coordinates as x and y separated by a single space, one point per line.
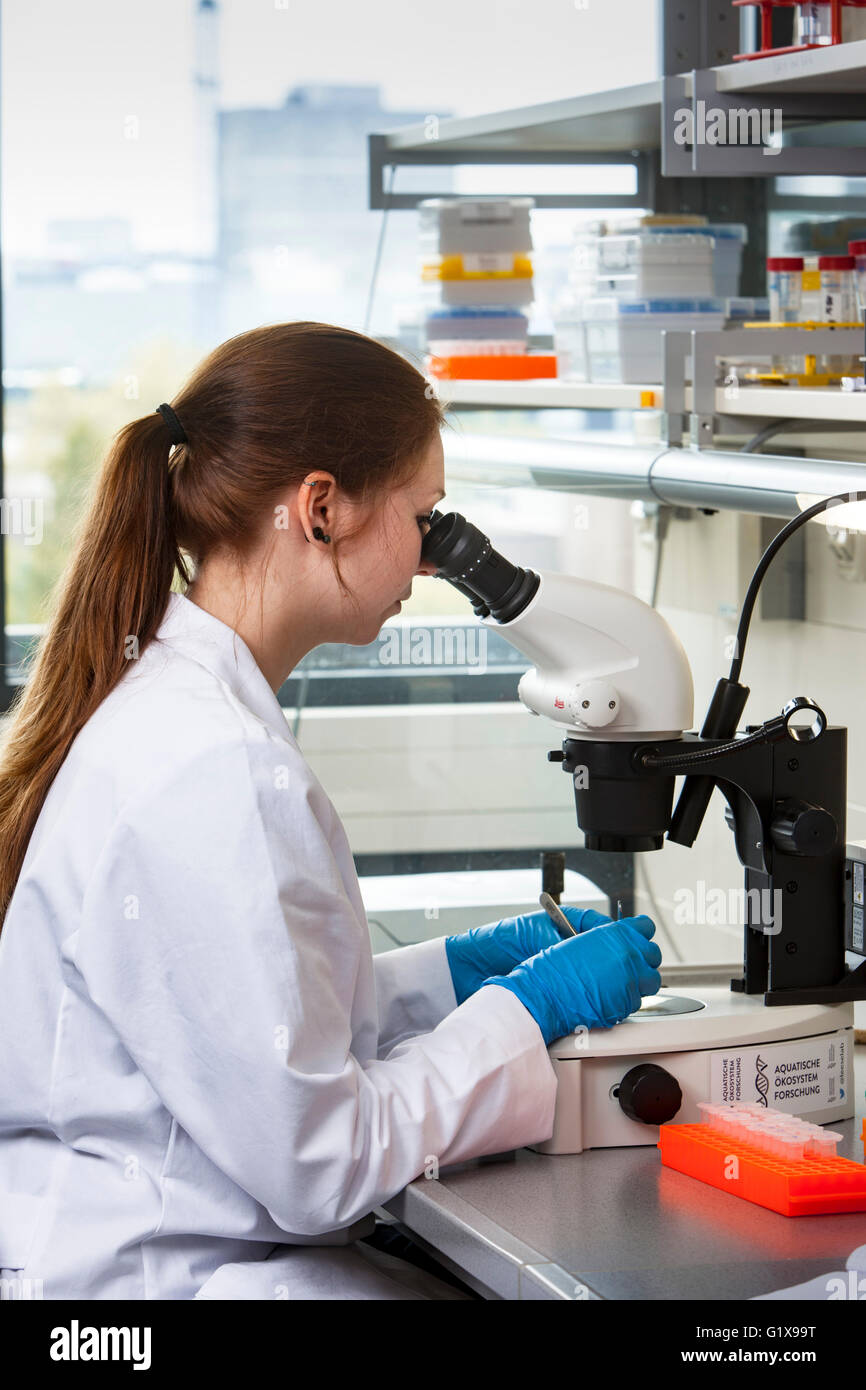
496 948
594 980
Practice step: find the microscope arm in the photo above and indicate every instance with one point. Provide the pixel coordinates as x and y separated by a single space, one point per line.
634 684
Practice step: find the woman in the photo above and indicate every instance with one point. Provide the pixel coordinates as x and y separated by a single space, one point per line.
208 1082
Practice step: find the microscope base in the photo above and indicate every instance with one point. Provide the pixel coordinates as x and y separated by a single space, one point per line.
719 1046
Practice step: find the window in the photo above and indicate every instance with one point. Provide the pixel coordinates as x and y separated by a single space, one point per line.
184 171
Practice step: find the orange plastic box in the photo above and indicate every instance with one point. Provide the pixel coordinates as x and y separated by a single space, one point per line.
515 366
806 1187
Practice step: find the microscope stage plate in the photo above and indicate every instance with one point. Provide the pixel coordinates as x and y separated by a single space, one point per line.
708 1017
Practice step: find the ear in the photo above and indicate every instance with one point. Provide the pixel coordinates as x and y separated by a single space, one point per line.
314 502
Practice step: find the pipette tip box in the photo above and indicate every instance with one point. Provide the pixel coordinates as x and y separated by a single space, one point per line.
749 1155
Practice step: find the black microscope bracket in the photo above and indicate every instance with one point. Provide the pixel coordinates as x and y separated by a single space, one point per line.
786 804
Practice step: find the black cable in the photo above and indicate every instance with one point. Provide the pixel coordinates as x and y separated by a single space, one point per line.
763 564
374 922
774 427
801 423
375 275
301 702
680 762
657 571
661 528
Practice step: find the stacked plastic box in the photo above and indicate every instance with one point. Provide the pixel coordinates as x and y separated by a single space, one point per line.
620 339
630 280
641 264
673 256
476 271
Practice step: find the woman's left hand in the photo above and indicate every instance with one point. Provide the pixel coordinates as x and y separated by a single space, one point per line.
496 948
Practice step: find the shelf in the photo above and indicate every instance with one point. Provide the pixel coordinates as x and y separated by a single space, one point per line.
640 126
623 119
798 403
770 402
629 118
837 68
545 393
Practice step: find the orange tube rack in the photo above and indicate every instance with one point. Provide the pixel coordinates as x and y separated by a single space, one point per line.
516 366
803 1187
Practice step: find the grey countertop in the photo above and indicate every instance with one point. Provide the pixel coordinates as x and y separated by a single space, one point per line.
616 1224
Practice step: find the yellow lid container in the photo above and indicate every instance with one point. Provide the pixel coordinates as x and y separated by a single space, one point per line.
478 265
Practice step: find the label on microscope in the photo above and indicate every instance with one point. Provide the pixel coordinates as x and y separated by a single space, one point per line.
801 1075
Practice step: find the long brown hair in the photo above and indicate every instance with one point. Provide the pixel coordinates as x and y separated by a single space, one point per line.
260 412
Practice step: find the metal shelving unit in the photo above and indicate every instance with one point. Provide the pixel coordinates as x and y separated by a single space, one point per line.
814 91
624 119
767 402
840 68
629 118
548 393
629 125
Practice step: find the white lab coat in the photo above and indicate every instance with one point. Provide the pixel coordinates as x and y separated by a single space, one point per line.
204 1068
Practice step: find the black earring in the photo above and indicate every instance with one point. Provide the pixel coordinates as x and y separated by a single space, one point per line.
320 535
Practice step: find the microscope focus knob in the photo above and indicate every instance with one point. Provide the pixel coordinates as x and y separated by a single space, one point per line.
650 1094
798 828
594 703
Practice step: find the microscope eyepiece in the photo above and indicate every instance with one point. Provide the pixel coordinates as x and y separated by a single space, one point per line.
464 556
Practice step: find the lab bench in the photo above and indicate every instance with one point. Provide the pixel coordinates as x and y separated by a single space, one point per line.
615 1224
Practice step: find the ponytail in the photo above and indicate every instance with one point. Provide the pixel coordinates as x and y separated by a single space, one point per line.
108 604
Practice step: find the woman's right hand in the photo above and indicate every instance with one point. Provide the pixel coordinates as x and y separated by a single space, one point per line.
593 980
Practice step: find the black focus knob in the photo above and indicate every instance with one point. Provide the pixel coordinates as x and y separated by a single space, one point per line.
798 828
650 1094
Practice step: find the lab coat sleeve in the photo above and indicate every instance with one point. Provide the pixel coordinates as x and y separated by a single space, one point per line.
218 938
414 990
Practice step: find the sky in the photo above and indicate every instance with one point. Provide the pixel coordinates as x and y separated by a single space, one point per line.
98 117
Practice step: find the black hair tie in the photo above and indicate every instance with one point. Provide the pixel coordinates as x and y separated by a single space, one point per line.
176 429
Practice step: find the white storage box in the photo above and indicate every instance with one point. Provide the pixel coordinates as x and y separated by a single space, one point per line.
491 290
728 238
449 226
475 347
472 324
644 264
624 337
661 260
